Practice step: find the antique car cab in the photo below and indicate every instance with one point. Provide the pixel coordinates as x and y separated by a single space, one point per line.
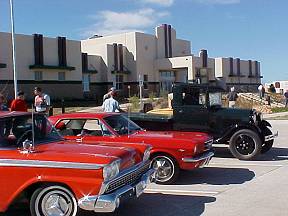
171 150
58 177
198 107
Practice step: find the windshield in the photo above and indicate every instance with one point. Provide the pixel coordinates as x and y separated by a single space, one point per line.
15 130
215 99
121 124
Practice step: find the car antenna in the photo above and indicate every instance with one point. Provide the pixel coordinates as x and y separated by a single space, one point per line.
128 121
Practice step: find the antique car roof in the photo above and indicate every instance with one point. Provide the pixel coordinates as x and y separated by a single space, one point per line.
5 114
83 115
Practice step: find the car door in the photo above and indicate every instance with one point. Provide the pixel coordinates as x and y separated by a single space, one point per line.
190 110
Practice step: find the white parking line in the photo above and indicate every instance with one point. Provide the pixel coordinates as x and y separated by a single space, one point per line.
212 164
180 192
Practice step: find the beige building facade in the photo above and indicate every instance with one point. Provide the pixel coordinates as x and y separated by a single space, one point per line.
87 69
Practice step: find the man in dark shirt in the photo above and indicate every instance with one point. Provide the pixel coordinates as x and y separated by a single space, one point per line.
232 97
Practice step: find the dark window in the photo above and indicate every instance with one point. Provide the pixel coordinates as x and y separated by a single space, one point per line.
145 83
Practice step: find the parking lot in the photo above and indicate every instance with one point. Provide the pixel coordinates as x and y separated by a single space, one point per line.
226 187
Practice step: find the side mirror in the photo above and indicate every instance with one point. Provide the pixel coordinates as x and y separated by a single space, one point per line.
27 146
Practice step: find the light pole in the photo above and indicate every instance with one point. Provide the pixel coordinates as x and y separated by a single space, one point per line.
13 47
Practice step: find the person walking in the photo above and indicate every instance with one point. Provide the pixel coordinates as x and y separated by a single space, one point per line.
42 101
111 105
286 98
3 106
232 97
19 104
106 96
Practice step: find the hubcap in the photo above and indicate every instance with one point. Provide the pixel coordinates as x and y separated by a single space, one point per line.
245 145
57 204
164 168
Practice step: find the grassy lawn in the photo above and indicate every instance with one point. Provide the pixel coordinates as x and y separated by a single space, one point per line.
279 109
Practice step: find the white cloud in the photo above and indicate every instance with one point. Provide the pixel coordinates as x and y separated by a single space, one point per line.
165 3
111 22
223 2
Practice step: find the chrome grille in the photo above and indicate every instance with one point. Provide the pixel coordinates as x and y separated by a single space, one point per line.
127 179
208 145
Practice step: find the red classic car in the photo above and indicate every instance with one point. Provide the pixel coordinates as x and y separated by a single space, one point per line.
57 178
171 151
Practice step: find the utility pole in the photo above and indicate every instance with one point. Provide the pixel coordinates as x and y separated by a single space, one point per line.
140 91
13 48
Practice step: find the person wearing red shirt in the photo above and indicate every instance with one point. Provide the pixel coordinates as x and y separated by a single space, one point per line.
19 104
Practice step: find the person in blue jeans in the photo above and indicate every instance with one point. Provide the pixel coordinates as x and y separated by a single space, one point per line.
286 98
3 106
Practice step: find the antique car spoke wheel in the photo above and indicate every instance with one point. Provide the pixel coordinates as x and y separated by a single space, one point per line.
245 144
53 201
167 169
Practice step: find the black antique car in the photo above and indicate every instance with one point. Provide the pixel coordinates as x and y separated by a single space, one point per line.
198 107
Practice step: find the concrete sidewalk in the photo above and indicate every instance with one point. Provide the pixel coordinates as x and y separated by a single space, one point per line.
273 115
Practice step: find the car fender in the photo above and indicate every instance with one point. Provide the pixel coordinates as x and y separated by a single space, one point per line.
264 123
168 152
88 186
232 129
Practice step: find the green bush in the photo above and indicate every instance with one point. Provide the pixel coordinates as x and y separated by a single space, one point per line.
135 103
152 97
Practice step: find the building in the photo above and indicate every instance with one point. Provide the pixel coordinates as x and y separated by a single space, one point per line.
162 59
77 69
51 63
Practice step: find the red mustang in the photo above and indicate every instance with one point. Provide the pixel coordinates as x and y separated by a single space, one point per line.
171 151
58 178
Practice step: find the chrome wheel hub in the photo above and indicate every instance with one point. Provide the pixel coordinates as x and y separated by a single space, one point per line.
56 204
164 167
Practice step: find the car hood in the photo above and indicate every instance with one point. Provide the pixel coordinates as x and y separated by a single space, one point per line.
78 153
197 137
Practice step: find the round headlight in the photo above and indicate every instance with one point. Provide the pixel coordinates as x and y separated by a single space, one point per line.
111 170
146 155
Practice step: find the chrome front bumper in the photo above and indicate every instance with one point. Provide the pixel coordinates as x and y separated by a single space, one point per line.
271 137
206 156
110 202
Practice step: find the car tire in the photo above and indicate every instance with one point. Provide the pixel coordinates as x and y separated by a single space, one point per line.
167 169
266 146
245 144
53 200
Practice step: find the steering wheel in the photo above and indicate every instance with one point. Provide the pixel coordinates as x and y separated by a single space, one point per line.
26 135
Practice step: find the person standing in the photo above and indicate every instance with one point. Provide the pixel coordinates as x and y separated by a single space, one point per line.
260 90
232 97
286 98
19 104
42 101
3 106
106 96
111 105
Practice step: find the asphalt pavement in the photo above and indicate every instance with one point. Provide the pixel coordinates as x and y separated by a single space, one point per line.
227 186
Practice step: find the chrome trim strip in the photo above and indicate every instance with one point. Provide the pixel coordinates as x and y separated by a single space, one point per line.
110 202
204 156
49 164
271 137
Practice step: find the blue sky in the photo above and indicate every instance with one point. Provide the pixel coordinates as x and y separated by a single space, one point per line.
249 29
